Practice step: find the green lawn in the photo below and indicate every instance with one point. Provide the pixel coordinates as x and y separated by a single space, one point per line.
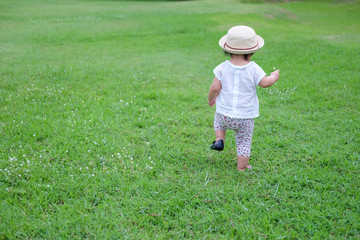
105 128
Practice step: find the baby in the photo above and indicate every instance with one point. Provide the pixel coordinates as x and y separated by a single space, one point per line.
234 91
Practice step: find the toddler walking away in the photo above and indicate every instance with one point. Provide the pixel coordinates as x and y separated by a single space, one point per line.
234 91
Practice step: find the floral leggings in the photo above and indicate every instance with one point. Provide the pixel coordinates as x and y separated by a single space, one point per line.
243 131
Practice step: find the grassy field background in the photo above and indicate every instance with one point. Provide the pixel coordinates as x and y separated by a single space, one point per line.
105 128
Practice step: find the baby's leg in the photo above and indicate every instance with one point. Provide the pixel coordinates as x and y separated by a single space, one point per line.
220 129
242 162
220 134
243 141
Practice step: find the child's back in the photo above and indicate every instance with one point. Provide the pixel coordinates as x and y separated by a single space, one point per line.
237 96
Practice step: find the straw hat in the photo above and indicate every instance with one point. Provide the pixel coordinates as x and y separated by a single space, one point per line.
241 40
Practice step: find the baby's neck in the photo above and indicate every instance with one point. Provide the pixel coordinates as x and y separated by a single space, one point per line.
239 60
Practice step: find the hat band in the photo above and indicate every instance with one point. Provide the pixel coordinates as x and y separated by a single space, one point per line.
241 49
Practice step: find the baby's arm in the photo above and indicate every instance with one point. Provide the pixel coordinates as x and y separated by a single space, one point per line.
270 80
214 91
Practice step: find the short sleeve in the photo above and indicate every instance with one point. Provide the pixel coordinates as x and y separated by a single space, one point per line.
218 71
259 74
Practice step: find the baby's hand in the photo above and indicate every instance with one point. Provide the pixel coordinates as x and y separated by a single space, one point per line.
275 75
212 103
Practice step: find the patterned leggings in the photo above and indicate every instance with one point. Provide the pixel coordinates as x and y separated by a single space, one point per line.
243 131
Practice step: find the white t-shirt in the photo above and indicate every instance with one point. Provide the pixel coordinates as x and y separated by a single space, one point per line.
238 98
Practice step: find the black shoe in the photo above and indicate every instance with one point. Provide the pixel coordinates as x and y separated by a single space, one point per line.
218 145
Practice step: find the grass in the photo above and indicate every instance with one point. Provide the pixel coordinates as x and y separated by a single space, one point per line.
105 128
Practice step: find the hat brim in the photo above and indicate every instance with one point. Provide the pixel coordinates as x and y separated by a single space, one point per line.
260 44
